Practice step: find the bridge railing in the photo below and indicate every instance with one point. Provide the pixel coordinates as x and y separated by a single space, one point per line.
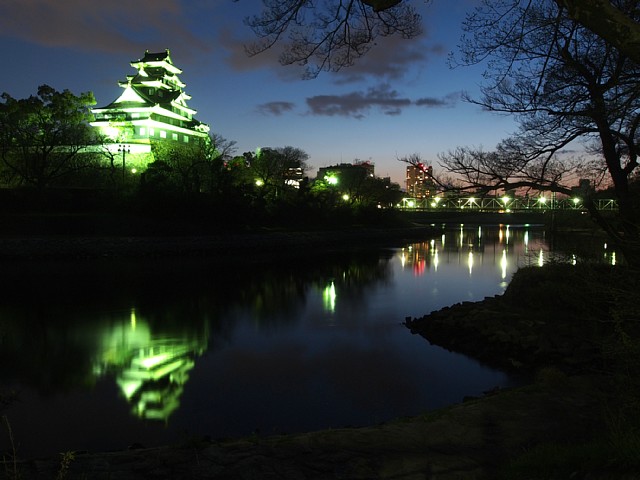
502 204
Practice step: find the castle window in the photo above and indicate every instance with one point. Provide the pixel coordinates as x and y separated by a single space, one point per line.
185 139
151 132
174 136
143 131
163 134
135 115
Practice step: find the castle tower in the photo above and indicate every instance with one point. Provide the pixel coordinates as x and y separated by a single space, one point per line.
152 108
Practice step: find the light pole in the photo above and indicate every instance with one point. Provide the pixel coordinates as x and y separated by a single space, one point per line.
124 149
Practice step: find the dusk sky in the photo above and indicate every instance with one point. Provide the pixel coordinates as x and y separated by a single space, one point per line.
400 100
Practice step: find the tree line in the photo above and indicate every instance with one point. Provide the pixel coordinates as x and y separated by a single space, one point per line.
47 146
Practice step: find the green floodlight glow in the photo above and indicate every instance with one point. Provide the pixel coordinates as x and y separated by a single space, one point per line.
345 197
111 132
259 182
331 179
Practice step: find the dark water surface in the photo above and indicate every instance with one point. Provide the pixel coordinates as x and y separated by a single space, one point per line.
107 354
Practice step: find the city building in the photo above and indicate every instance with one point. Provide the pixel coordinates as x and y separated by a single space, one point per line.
419 181
152 108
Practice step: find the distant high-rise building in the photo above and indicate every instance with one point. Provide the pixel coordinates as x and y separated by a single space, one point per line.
419 181
152 108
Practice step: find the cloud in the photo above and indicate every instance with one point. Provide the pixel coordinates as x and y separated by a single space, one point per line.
238 59
102 26
275 108
390 59
356 104
443 102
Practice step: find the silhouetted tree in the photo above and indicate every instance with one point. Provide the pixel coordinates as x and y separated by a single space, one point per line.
45 137
565 84
334 34
330 35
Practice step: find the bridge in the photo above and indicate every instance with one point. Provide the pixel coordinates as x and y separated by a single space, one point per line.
502 204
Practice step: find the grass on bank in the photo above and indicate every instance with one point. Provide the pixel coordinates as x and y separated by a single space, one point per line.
616 452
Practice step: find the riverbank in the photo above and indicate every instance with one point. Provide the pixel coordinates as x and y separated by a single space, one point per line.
472 440
258 242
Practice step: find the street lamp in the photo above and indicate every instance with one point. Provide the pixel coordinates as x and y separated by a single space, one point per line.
124 149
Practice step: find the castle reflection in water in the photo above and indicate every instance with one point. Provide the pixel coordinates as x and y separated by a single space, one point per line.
151 369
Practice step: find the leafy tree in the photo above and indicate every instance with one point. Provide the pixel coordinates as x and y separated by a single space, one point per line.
45 137
277 169
196 167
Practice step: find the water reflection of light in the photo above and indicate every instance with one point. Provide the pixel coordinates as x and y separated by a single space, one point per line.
500 234
574 259
470 263
541 258
329 298
526 241
436 260
613 258
503 263
442 242
132 319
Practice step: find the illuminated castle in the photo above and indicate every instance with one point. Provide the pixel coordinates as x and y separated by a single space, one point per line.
152 108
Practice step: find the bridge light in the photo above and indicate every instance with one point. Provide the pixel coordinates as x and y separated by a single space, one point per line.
542 200
472 201
576 200
505 199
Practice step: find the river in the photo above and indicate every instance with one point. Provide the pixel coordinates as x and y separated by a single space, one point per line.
125 353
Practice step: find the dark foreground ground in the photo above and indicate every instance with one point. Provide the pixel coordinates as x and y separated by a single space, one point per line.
575 420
